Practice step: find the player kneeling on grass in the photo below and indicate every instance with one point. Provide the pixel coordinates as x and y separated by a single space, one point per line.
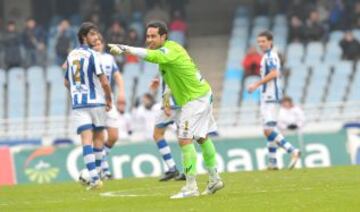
112 121
91 97
192 93
270 99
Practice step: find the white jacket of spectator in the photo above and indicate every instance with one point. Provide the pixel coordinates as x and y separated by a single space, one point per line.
125 127
144 122
291 117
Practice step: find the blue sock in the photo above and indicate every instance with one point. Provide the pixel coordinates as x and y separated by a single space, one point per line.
272 147
280 140
165 151
107 149
99 155
89 160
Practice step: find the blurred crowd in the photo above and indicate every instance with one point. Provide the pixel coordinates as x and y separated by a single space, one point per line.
312 20
36 44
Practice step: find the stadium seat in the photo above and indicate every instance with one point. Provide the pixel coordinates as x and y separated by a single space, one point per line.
241 22
354 94
58 94
16 93
149 73
178 37
356 33
339 81
250 97
2 92
336 36
280 19
317 84
314 52
37 86
296 82
333 53
261 21
295 52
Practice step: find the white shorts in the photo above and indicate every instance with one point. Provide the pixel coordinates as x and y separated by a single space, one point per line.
112 118
269 113
162 120
196 118
89 118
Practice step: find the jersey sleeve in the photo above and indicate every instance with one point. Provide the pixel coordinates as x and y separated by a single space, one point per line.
272 63
161 56
114 67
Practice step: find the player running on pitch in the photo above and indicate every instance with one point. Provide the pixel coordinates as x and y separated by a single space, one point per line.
270 98
193 94
91 97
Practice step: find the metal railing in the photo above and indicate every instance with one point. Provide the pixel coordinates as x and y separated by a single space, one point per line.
57 127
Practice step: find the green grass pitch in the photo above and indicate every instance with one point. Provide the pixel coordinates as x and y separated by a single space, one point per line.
321 189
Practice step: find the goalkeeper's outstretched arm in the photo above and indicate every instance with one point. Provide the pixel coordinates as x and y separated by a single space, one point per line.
160 56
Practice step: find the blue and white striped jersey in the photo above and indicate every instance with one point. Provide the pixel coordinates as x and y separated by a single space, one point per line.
270 91
83 69
108 65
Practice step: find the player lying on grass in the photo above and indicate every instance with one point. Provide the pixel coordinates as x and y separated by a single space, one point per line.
193 94
270 99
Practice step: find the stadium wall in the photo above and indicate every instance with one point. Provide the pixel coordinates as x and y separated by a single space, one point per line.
50 164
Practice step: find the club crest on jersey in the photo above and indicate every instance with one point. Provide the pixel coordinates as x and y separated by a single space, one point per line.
164 50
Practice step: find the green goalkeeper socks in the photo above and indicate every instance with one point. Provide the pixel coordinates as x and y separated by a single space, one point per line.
189 159
209 154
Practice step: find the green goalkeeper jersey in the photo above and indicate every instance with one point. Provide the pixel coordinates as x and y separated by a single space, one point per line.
179 72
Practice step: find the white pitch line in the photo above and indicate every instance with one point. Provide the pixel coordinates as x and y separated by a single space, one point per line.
133 192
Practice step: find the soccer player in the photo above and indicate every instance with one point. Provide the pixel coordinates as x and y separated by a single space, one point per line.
167 116
270 96
193 94
112 122
91 97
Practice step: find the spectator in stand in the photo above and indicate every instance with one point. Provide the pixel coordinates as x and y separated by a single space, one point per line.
132 40
116 33
12 49
64 41
178 24
314 29
251 62
144 118
296 30
298 8
178 29
291 117
137 24
125 128
350 47
157 13
336 17
1 44
178 5
34 43
355 16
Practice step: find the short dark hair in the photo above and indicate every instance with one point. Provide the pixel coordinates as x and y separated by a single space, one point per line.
266 34
287 99
163 29
85 29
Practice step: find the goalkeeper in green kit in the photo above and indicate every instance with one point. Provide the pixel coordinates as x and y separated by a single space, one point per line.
193 94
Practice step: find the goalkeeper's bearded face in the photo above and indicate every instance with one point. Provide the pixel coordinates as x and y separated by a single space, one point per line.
153 39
